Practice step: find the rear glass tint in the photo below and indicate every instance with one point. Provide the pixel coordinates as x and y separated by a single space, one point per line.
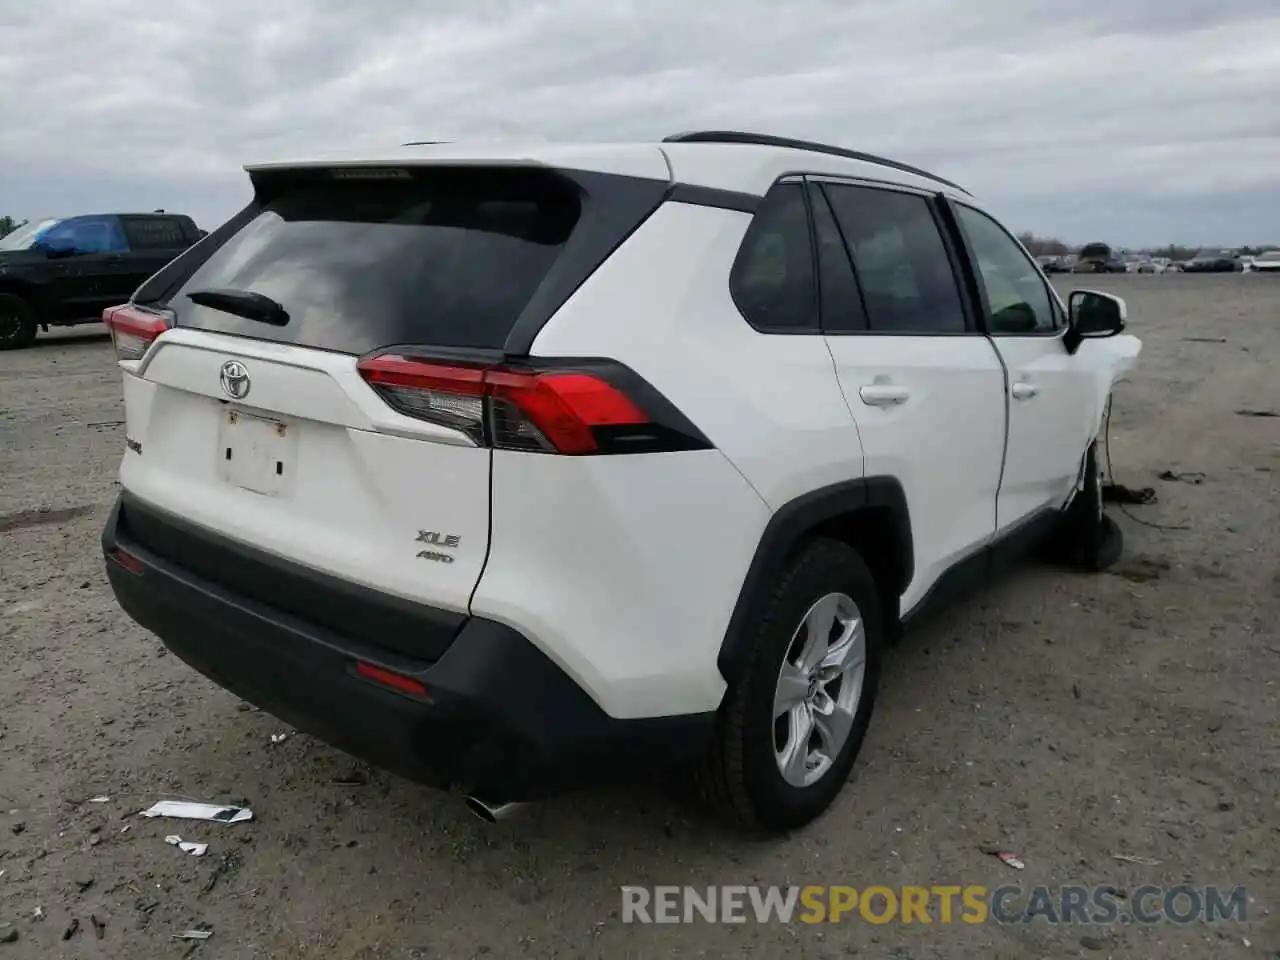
446 258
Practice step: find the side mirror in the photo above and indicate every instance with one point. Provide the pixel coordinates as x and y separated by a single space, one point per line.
1093 316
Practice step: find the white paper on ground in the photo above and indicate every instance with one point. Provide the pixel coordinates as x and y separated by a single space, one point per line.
183 810
186 846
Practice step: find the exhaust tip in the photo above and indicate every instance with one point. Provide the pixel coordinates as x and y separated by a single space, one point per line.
481 810
491 812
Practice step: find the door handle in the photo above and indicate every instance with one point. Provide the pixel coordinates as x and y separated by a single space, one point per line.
883 394
1024 390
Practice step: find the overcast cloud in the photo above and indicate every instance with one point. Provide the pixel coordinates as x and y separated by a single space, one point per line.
1138 121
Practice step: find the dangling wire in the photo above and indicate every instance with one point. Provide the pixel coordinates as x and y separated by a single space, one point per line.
1111 477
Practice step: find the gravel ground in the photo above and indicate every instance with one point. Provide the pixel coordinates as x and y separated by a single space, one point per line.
1069 718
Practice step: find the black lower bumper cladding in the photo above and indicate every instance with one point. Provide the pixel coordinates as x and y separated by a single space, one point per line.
498 717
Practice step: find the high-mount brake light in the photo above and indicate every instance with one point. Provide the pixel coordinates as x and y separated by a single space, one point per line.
132 330
549 412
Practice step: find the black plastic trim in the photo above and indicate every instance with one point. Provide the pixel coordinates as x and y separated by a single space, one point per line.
787 529
976 571
500 719
766 140
713 197
613 208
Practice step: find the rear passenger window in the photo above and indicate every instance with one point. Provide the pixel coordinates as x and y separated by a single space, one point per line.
900 261
154 233
772 281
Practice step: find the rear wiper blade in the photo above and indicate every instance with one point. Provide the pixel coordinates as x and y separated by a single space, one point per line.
242 303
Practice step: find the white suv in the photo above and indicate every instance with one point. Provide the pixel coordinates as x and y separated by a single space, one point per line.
513 469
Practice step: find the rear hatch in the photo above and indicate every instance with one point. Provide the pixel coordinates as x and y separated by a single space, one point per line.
252 416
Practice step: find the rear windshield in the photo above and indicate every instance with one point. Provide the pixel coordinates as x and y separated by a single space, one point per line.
445 258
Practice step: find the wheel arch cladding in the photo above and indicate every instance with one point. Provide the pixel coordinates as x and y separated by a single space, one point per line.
870 514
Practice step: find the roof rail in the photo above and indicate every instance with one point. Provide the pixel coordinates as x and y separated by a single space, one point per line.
423 143
766 140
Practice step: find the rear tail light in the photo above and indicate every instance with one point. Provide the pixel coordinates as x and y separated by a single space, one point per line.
551 411
133 330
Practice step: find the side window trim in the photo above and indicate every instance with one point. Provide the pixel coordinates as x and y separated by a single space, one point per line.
972 315
816 195
1055 305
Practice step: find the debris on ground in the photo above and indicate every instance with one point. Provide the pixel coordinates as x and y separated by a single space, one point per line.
1257 413
84 885
8 933
279 737
72 929
1191 476
1119 493
186 846
1128 858
37 913
228 862
1005 856
1205 339
1092 943
99 927
353 779
201 932
18 828
183 810
102 799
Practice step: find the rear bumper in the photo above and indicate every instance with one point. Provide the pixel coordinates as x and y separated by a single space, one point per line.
499 718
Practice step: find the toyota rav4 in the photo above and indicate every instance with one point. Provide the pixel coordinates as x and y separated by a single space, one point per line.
511 469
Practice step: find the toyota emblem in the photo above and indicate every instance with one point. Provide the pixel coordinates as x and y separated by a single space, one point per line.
234 379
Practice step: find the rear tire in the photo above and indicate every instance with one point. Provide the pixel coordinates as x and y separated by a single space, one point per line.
18 322
769 768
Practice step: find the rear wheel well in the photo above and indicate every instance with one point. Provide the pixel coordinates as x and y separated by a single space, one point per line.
28 292
874 533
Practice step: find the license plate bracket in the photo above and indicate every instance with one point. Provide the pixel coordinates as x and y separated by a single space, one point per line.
257 453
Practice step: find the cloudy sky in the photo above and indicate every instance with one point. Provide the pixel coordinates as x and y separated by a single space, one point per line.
1133 121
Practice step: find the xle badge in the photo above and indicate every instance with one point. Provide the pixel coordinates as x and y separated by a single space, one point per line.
446 540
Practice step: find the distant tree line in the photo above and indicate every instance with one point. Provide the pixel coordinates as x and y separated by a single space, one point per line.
1052 246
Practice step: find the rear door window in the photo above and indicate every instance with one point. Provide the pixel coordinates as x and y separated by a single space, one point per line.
901 262
443 258
154 233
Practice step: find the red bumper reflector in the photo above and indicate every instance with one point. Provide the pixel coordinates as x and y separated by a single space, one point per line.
388 678
127 560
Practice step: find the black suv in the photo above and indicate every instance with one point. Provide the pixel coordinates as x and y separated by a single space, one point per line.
60 272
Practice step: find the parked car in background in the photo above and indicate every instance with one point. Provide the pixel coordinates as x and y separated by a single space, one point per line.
1268 262
1155 265
1098 258
1213 261
1052 263
58 272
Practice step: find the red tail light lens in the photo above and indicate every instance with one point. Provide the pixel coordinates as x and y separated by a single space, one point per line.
132 330
551 412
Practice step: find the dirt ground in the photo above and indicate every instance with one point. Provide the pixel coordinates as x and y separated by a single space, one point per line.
1068 718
